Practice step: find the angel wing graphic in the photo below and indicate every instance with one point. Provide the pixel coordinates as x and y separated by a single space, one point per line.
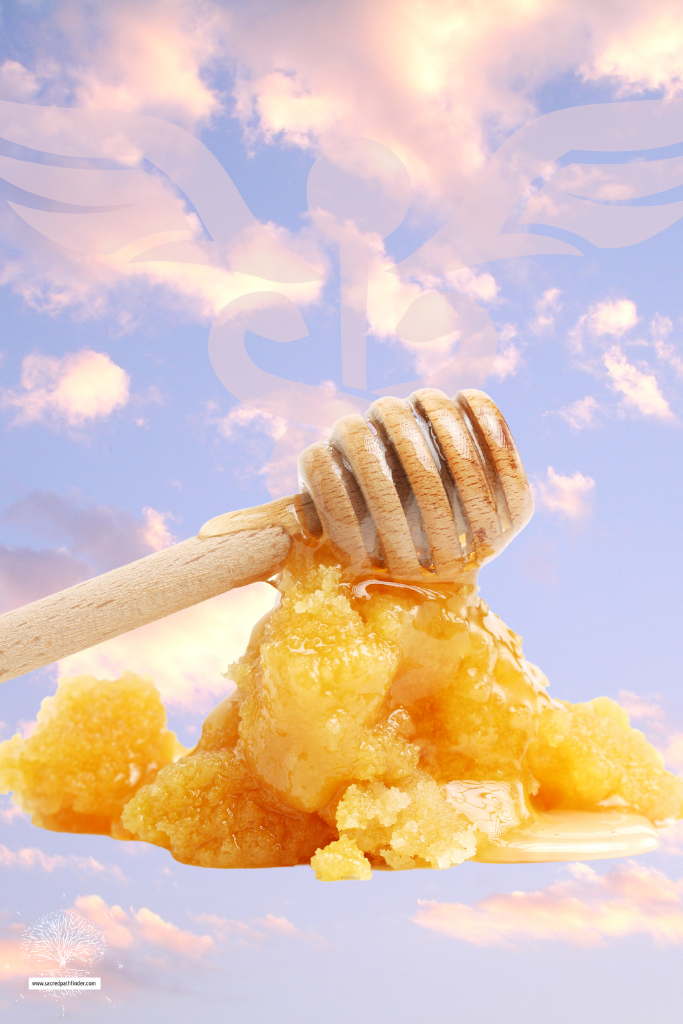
106 209
606 174
544 181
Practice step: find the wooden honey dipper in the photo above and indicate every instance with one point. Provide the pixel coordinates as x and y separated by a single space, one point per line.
426 489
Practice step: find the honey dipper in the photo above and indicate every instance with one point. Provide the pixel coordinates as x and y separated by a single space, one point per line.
426 489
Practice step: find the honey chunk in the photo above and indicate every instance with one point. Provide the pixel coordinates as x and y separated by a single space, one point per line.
587 756
208 810
312 691
411 825
96 742
339 861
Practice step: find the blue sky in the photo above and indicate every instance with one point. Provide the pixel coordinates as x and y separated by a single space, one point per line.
118 437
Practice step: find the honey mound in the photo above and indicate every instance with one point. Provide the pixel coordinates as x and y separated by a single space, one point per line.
207 810
96 742
587 756
372 725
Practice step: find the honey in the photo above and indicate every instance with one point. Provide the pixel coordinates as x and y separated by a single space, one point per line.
373 725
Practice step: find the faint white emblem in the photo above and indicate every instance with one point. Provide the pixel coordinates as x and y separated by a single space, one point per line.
598 175
64 945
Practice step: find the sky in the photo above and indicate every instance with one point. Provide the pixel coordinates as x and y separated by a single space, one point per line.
119 438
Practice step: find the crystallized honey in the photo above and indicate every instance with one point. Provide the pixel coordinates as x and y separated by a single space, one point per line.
95 743
372 725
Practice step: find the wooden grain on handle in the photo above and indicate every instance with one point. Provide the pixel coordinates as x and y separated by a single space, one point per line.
104 607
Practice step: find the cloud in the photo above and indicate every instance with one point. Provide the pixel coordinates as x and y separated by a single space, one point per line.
567 495
441 86
639 707
582 413
507 362
31 857
669 354
245 417
12 962
587 910
113 921
660 329
16 82
435 83
80 386
51 280
642 51
186 653
125 57
282 469
9 812
673 752
640 390
157 932
671 839
142 928
106 536
546 307
155 533
480 286
27 575
91 538
260 930
612 319
226 929
604 320
438 83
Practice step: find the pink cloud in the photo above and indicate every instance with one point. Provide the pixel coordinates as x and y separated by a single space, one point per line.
9 812
582 413
279 925
586 910
673 752
91 538
16 82
12 962
642 51
124 57
158 932
79 387
113 921
31 857
432 81
258 931
27 575
671 839
640 390
569 496
429 78
142 928
226 929
186 653
640 707
105 536
440 84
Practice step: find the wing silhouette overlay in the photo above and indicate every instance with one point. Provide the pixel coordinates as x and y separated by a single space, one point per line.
104 210
592 171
